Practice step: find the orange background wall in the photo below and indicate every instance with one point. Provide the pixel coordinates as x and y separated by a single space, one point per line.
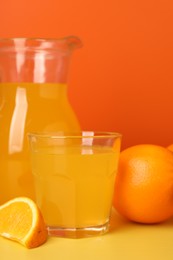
122 78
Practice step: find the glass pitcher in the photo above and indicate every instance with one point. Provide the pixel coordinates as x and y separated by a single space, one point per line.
33 97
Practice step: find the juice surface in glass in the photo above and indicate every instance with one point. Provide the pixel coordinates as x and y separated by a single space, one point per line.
26 107
74 187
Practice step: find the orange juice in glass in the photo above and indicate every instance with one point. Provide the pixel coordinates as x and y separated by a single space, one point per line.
74 178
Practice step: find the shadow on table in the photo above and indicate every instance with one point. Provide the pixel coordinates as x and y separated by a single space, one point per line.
118 222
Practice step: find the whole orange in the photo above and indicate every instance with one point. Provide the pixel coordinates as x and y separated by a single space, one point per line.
170 147
144 184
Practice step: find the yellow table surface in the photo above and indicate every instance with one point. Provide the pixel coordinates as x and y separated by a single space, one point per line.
125 241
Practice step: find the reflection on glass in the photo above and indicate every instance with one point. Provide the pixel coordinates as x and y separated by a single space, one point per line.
18 121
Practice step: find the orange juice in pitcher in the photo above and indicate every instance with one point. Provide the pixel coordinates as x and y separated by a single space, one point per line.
33 97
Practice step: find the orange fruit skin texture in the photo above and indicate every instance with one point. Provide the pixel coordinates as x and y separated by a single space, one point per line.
144 184
170 147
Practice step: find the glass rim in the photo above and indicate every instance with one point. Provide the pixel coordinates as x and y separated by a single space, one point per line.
75 135
71 42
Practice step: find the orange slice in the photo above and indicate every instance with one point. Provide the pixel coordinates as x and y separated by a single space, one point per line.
22 221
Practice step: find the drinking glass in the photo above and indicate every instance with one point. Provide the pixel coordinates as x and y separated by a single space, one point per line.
74 175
